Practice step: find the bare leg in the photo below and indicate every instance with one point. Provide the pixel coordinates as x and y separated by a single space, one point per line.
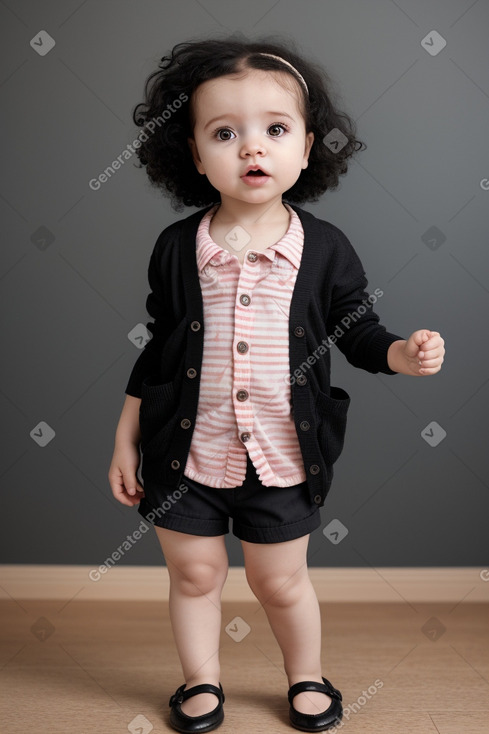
278 576
198 567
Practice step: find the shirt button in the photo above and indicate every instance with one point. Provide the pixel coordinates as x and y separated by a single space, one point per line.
245 300
195 325
245 437
299 331
314 469
317 499
301 380
305 425
185 423
191 372
242 395
175 464
252 257
242 347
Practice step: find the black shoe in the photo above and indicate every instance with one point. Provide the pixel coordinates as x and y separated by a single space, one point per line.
316 722
179 719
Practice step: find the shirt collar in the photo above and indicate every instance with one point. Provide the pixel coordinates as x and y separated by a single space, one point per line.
290 245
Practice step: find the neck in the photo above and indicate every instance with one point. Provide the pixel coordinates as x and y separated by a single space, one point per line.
231 211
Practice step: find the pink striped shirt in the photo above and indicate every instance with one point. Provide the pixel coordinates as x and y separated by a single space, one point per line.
245 399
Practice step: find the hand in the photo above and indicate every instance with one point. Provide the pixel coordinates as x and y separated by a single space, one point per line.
424 352
122 474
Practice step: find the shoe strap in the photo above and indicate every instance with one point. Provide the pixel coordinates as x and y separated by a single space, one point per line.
312 685
181 694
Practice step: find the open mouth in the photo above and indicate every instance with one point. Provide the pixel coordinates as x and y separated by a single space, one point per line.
258 174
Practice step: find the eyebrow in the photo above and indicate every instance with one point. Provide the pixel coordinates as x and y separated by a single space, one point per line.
232 115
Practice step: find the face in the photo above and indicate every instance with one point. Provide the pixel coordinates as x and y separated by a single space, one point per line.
248 121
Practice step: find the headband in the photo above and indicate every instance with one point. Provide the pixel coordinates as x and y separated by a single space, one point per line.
279 58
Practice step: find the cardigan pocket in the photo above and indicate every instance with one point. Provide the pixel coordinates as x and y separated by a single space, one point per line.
157 412
332 411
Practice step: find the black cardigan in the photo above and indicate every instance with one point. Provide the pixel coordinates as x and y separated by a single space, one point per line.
329 305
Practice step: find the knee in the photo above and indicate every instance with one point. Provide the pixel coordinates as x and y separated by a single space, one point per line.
280 591
199 578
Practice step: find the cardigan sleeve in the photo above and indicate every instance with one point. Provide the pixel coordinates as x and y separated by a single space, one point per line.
352 319
157 306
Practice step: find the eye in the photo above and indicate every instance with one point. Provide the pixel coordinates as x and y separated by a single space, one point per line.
277 125
223 130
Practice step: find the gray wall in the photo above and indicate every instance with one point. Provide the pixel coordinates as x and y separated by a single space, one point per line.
74 263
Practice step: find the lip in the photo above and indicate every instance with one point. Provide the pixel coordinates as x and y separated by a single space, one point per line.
254 168
255 180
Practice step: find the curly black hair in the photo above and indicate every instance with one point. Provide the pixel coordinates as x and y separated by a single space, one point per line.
166 116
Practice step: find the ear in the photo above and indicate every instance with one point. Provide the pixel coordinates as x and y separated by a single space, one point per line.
307 149
195 155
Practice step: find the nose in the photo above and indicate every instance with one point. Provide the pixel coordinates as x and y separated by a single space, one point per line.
252 145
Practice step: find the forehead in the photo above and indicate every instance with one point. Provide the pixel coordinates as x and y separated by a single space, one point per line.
252 87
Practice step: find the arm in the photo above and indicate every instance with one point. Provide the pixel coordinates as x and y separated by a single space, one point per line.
394 356
159 308
352 322
126 458
128 427
356 326
363 340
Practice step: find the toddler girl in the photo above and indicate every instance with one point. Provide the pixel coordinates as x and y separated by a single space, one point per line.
230 401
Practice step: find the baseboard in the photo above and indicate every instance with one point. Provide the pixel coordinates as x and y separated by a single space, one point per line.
151 583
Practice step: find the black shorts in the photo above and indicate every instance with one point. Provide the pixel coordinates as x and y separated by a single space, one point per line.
260 514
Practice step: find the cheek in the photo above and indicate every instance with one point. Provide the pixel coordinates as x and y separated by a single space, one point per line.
217 158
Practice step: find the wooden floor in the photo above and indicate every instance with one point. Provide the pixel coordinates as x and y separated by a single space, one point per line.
110 667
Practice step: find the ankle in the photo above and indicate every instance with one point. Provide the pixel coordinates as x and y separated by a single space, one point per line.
298 678
198 680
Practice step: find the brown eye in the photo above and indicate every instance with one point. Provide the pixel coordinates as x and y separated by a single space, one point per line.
277 126
224 130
